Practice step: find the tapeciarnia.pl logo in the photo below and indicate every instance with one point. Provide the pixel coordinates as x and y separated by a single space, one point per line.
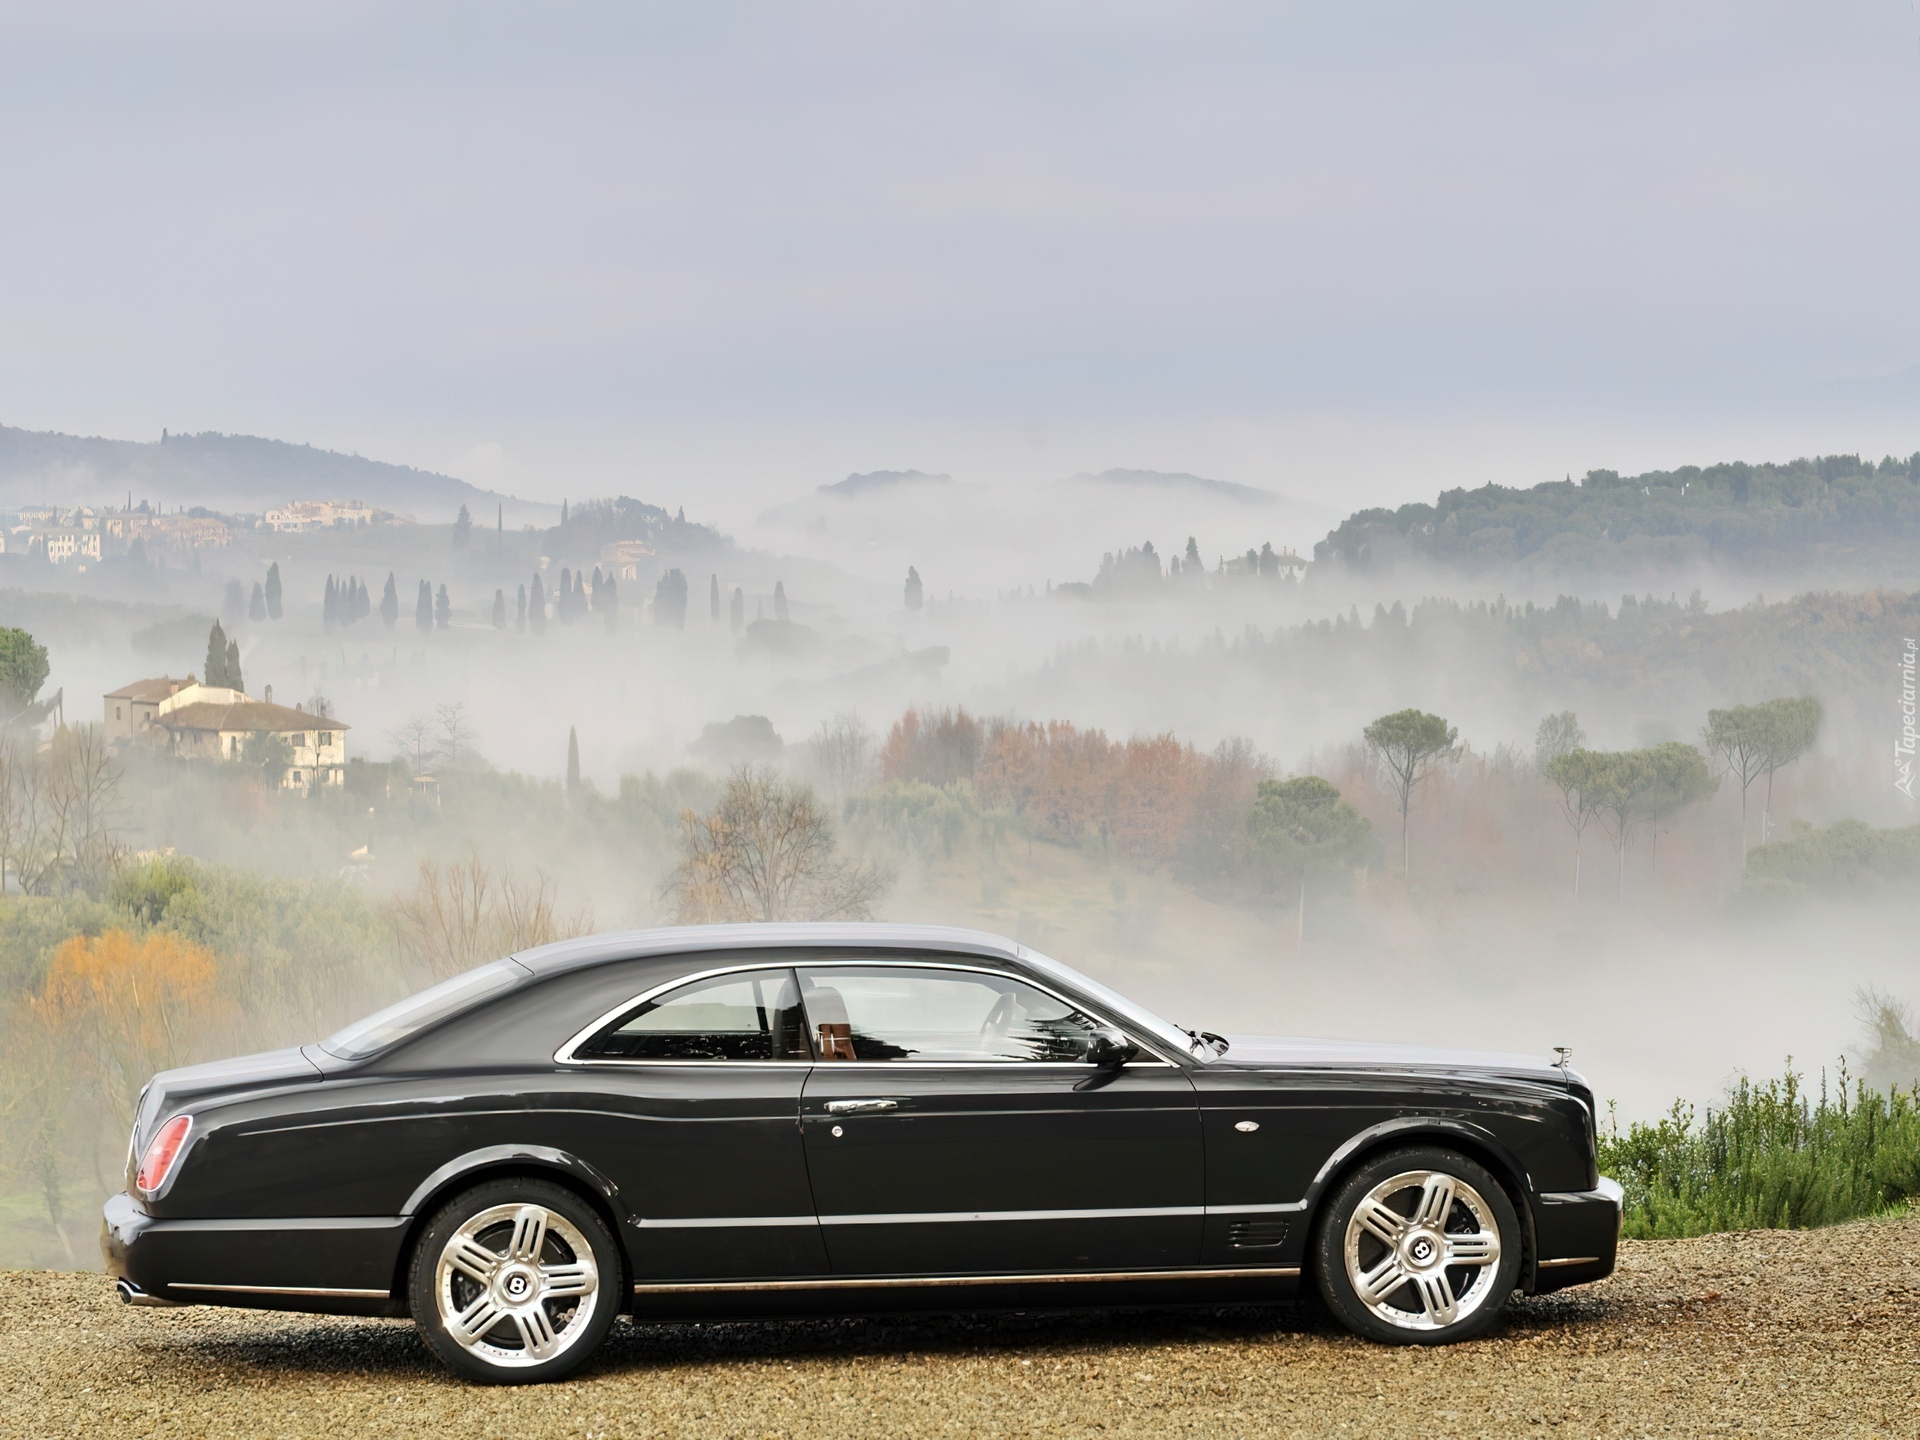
1903 748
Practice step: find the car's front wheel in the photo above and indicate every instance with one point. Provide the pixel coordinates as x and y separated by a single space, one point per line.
1419 1246
514 1282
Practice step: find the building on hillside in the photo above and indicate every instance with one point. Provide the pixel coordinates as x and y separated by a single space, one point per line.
66 543
132 709
222 730
623 558
324 515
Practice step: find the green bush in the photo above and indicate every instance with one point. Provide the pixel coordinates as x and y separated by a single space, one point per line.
1771 1158
1846 858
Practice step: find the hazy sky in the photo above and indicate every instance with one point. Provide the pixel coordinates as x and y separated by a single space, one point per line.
716 254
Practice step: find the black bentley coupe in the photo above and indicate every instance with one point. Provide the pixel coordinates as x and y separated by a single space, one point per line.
769 1120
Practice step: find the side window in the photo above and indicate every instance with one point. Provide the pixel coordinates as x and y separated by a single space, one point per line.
753 1015
905 1012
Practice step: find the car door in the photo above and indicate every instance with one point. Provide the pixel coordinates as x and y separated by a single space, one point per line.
953 1125
704 1079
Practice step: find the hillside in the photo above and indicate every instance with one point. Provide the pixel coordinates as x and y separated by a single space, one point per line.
241 473
1833 516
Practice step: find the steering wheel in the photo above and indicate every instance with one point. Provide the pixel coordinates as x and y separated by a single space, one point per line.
999 1020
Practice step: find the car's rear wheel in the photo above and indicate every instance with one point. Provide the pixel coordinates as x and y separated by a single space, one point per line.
514 1282
1419 1246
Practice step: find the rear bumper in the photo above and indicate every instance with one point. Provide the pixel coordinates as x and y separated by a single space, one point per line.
334 1266
1577 1236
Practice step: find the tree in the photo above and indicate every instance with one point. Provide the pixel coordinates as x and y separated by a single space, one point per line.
423 607
330 606
780 602
216 673
269 752
563 598
234 679
1632 787
670 600
573 762
520 611
1575 775
766 853
737 611
442 609
273 591
537 607
1558 735
611 604
1793 724
257 606
1737 740
1301 827
234 606
456 731
500 609
913 588
842 750
418 742
23 670
1409 744
462 529
1680 778
462 915
390 603
713 599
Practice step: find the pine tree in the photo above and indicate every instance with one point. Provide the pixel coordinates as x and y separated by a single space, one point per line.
913 588
390 603
423 607
442 609
330 606
499 609
713 599
737 611
216 667
462 529
233 680
537 608
273 591
520 613
573 762
780 602
257 606
612 607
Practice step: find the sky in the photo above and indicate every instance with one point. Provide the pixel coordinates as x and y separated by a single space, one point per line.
715 255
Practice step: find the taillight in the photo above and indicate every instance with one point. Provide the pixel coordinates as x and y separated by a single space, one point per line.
161 1153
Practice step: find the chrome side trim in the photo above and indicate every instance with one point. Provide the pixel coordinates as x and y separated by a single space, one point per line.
1570 1260
1291 1207
724 1222
565 1056
963 1217
285 1290
922 1282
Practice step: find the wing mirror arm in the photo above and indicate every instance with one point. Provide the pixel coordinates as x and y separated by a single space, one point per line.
1108 1051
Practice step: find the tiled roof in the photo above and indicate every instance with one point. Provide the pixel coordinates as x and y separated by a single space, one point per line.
158 688
247 715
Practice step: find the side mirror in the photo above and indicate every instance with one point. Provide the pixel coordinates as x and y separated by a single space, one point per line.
1109 1049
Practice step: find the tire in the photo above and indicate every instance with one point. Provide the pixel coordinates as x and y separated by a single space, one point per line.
1441 1224
514 1282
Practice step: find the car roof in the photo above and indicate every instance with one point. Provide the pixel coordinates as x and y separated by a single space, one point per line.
590 950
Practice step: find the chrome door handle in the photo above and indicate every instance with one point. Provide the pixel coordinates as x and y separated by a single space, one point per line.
857 1107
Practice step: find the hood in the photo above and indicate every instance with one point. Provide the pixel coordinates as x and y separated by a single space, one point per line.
1263 1050
171 1089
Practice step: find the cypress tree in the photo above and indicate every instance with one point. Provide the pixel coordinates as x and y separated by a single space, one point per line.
442 609
330 606
737 611
713 599
537 608
216 666
390 603
423 607
573 762
257 606
612 606
563 600
499 609
366 599
520 613
273 591
233 680
780 602
913 588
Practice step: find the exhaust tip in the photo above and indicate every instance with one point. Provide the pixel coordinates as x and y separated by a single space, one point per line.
132 1294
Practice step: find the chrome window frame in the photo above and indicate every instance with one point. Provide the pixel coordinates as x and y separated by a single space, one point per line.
565 1054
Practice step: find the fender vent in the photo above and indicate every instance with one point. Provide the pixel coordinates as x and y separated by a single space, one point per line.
1256 1234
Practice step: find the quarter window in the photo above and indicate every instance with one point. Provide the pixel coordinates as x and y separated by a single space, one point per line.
876 1012
751 1016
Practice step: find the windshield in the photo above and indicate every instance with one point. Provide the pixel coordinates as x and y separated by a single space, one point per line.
413 1014
1164 1031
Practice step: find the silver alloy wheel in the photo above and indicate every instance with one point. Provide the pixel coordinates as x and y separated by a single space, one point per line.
516 1285
1422 1250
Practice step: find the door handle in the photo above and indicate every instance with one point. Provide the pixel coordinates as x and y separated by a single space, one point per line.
860 1107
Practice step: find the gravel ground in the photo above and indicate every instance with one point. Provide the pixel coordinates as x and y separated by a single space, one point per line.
1764 1333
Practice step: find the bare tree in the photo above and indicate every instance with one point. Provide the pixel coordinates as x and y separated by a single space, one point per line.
456 731
464 914
418 742
767 853
68 797
843 753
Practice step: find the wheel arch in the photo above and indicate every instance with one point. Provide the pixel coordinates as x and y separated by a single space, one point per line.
1474 1141
500 1162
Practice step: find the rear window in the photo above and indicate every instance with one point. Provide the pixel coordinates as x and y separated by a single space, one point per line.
415 1013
